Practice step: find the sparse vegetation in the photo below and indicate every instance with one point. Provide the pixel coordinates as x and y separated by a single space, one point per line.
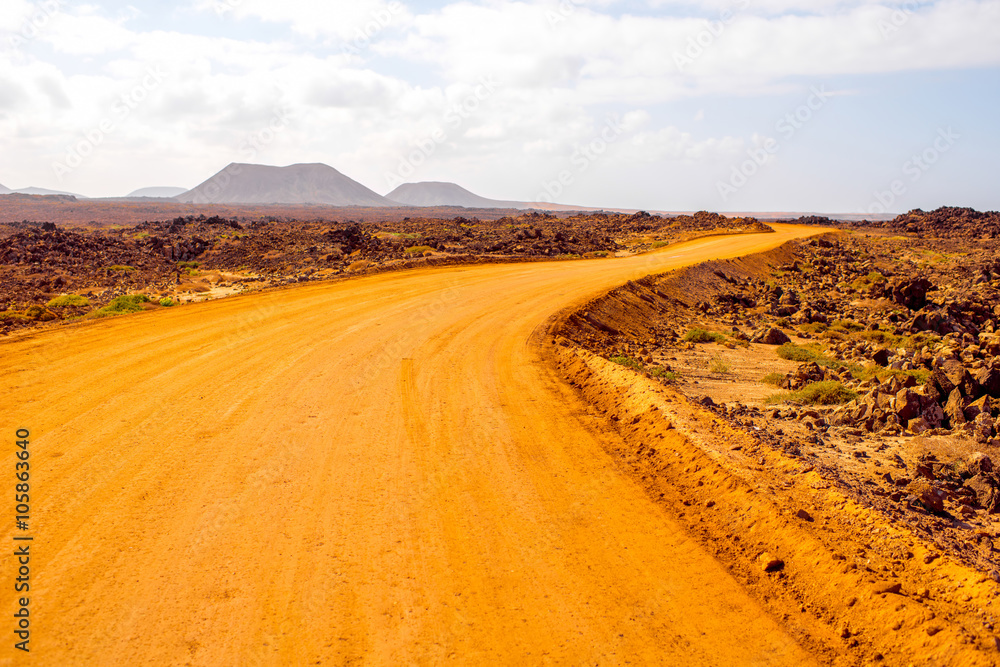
418 249
703 336
39 314
663 373
67 300
166 302
828 392
13 316
921 375
815 327
121 267
773 379
847 326
864 282
127 303
887 339
628 362
719 365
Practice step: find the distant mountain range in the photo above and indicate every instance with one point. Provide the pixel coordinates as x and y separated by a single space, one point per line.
37 191
436 193
320 184
161 192
296 184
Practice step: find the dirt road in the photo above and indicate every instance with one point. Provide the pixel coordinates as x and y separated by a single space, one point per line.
379 471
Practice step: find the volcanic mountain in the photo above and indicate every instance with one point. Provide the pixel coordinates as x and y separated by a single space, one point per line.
295 184
157 192
435 193
43 192
4 191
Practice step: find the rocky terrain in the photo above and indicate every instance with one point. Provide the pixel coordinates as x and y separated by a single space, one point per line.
947 223
871 357
52 271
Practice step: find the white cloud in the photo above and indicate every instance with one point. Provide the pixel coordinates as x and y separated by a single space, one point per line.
637 58
368 81
343 20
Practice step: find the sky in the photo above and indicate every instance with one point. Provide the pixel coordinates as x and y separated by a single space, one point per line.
835 106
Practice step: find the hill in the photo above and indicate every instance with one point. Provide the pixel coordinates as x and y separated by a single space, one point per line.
45 193
295 184
4 191
436 193
163 192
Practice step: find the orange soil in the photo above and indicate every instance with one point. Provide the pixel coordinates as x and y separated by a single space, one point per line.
385 470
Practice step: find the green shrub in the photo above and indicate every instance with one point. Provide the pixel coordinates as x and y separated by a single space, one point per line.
815 327
887 339
703 336
628 362
127 303
719 365
773 379
660 244
12 316
828 392
68 300
663 373
187 265
921 375
846 325
867 281
166 303
417 249
121 267
39 313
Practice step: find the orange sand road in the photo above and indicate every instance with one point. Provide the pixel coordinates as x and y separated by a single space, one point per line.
379 471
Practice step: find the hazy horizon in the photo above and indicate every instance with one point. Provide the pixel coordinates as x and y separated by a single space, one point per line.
774 105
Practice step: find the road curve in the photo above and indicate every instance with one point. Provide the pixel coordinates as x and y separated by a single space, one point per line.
379 471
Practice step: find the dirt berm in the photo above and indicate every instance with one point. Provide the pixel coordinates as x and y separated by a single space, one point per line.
849 584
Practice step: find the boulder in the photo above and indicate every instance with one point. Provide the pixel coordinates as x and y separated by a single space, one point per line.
977 407
908 405
988 380
933 415
978 463
911 292
954 409
881 356
982 428
929 496
950 374
984 486
772 336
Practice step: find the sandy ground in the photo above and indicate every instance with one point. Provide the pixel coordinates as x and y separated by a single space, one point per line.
379 471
